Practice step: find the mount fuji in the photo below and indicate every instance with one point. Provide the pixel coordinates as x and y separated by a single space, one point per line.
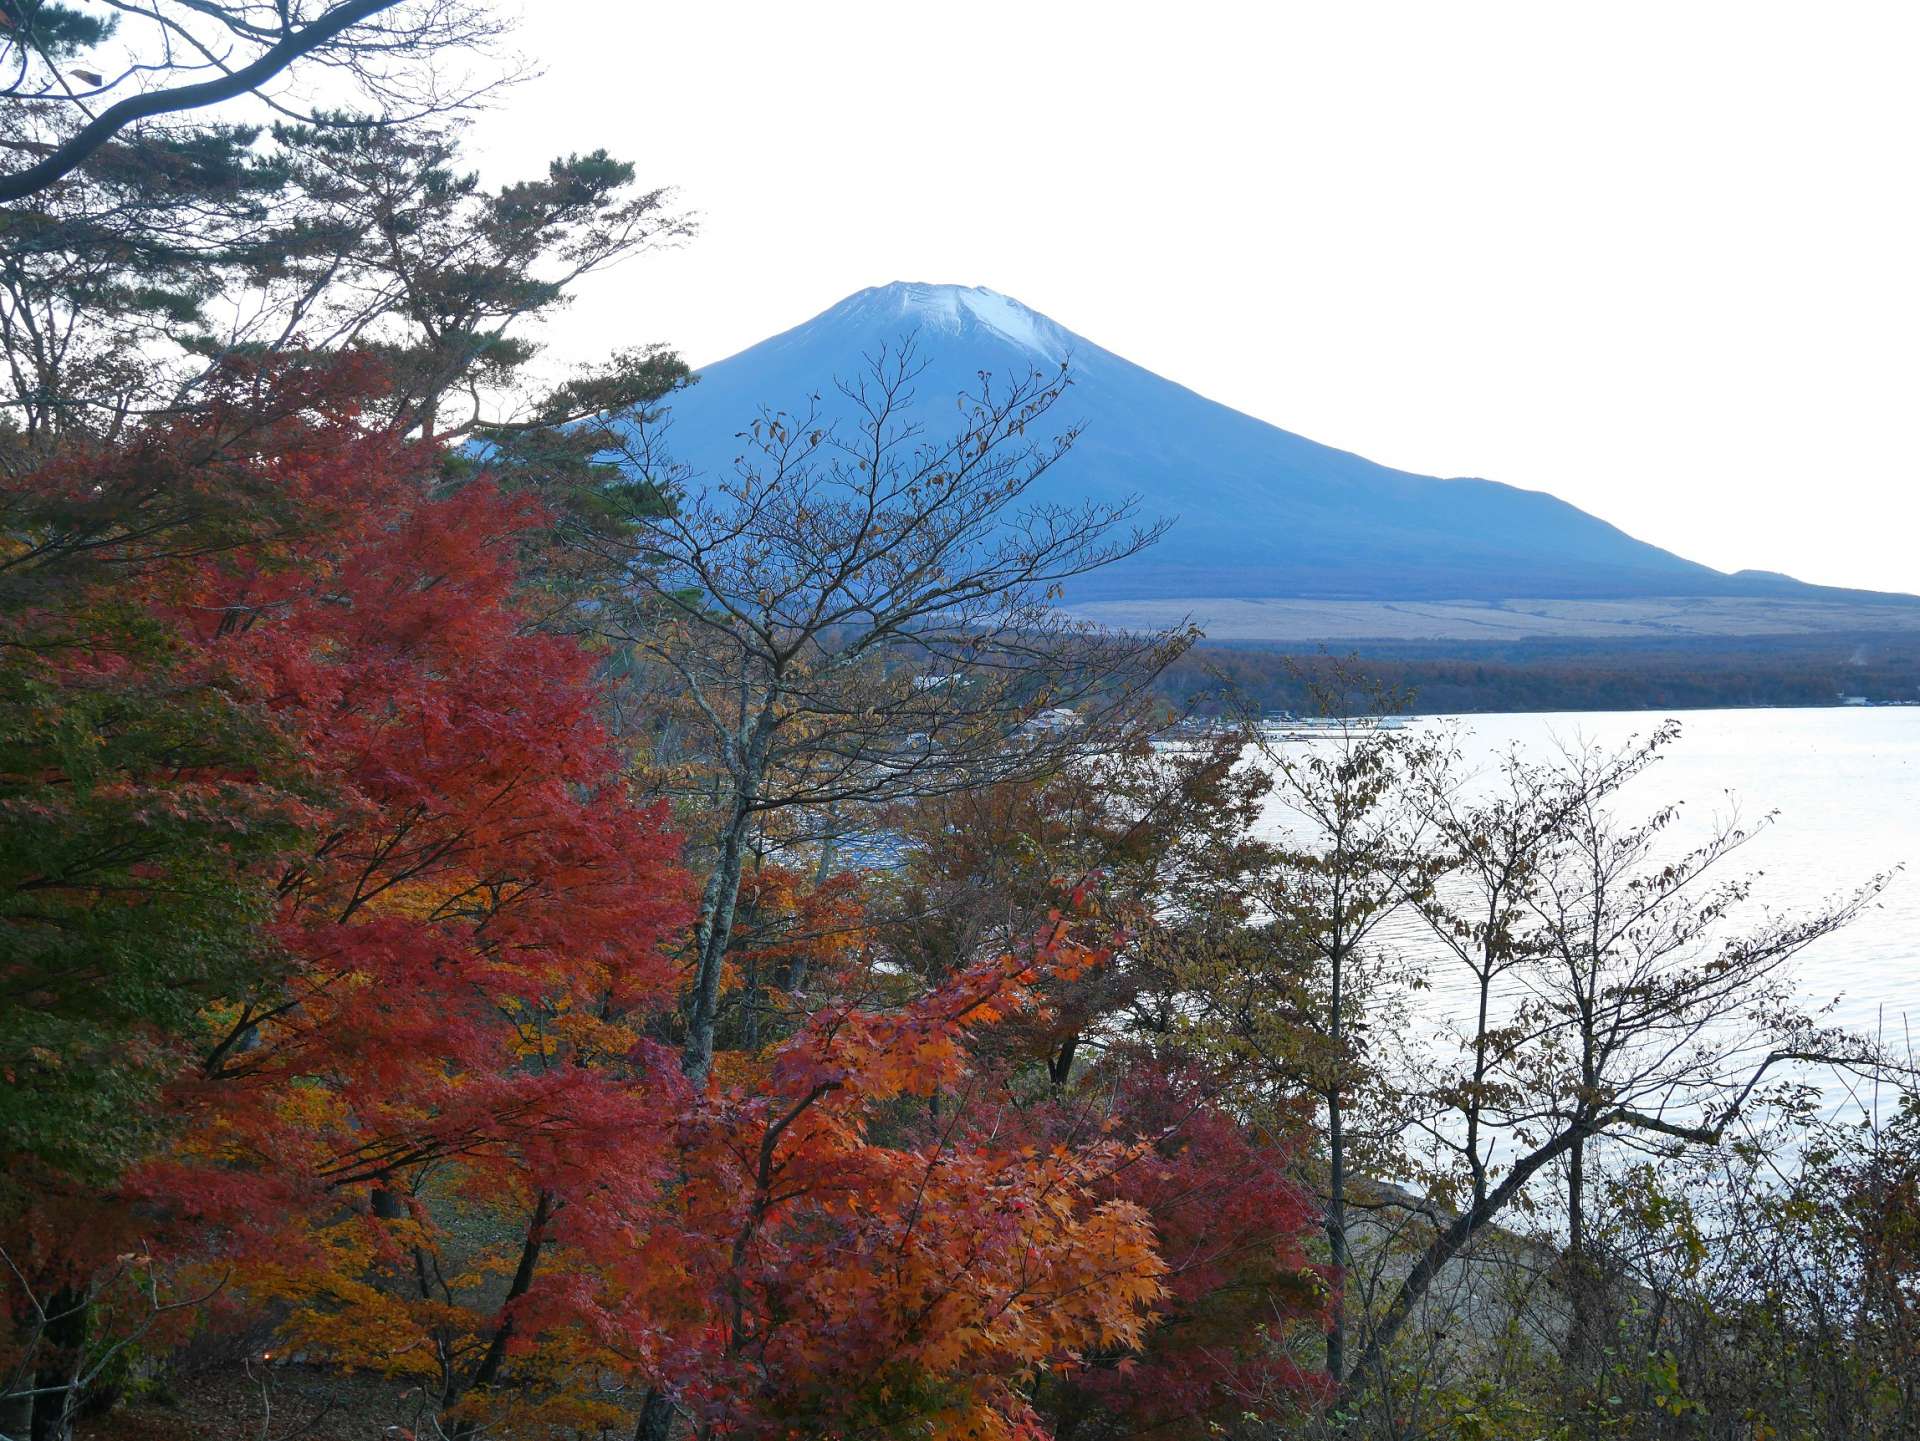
1260 514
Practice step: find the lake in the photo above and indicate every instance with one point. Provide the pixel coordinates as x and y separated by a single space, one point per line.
1845 784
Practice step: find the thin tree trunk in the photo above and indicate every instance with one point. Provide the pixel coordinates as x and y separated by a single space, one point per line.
16 1407
388 1205
796 975
1583 1284
488 1371
1442 1249
1336 1218
1336 1228
1586 1286
57 1380
715 931
1060 1064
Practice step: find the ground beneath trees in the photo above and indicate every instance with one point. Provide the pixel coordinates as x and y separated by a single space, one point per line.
278 1403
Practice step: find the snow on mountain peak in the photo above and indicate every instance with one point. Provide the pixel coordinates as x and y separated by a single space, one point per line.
952 309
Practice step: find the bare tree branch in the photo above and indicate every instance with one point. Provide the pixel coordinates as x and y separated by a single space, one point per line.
291 45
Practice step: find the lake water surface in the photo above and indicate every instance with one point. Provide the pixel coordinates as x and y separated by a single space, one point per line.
1845 784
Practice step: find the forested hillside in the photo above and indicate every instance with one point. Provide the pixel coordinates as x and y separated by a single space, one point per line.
1451 678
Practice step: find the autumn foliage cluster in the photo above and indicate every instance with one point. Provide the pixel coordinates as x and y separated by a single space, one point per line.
349 955
414 968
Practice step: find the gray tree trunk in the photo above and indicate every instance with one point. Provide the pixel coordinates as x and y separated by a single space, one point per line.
1336 1229
715 931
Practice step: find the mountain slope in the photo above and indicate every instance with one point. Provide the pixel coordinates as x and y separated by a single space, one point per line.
1259 511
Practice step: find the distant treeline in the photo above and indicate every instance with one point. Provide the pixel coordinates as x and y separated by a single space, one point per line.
1444 678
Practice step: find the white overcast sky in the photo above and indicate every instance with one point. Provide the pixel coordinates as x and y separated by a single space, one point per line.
1660 259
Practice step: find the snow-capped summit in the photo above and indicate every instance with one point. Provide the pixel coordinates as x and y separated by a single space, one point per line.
953 310
1259 512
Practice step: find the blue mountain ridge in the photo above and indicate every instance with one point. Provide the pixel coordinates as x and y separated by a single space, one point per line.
1258 511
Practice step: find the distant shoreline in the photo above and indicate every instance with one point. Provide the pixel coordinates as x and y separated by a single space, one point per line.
1303 622
1691 673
